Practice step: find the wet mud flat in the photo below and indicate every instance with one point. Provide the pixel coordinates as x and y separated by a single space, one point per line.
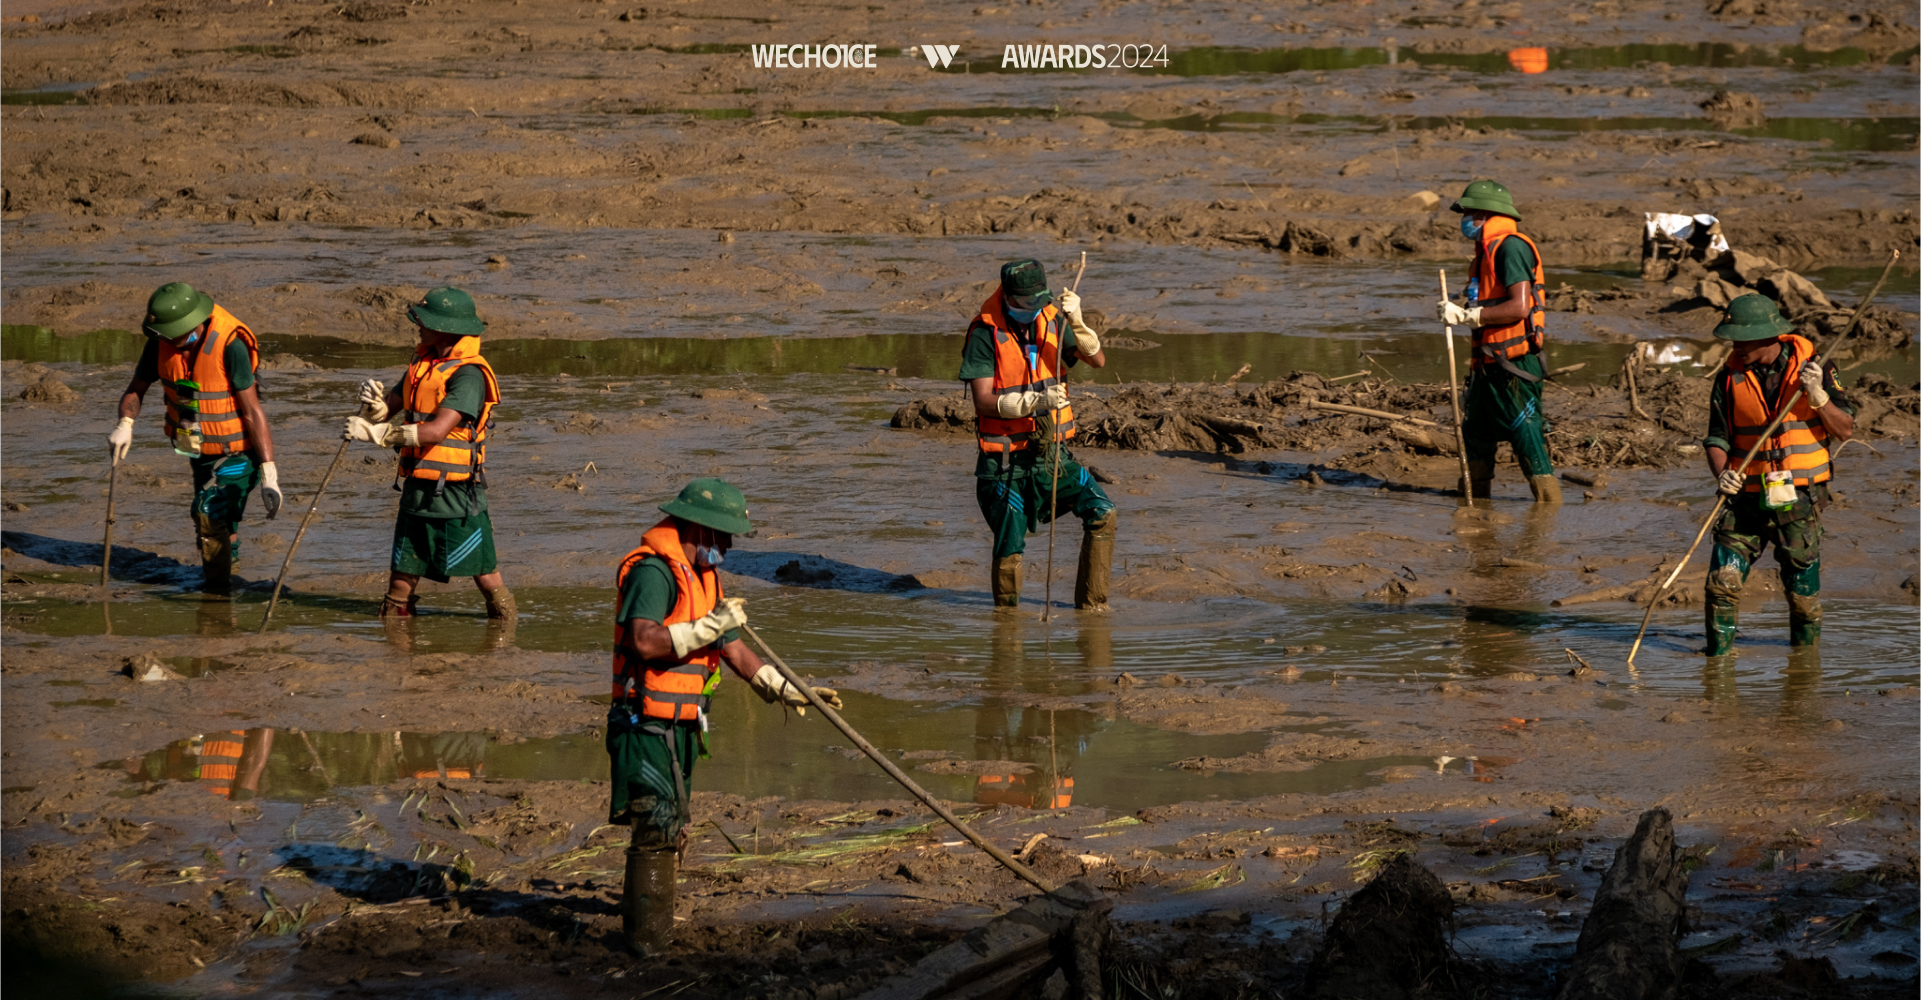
1300 680
1340 140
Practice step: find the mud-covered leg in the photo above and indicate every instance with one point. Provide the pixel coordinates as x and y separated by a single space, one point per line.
219 502
1004 505
650 761
1797 547
1734 552
1081 494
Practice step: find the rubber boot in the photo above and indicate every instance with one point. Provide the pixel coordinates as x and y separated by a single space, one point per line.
1007 581
1097 563
216 560
500 603
647 904
1804 619
1546 489
1480 479
1723 622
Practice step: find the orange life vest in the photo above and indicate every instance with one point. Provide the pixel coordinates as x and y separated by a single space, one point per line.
1800 445
211 405
1017 370
669 689
1494 344
463 454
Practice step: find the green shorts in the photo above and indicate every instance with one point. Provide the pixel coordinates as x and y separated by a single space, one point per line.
440 548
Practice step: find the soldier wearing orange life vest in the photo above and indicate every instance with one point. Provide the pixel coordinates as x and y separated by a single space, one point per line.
205 361
673 628
1014 361
1780 497
1507 312
437 420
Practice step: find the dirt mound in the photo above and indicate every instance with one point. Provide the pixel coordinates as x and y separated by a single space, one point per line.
188 89
1591 426
1734 109
1389 941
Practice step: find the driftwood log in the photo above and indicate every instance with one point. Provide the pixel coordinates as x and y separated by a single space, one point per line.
1627 949
1062 933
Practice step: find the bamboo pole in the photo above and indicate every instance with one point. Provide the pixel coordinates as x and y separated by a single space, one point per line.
1054 482
1454 402
106 544
1022 871
286 563
1720 499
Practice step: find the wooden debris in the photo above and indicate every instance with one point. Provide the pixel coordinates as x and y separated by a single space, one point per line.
1067 930
1627 949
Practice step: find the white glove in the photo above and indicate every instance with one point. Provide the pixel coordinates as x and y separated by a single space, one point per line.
373 400
1453 315
120 438
1070 303
270 489
1018 404
707 630
386 435
1731 483
1811 385
773 687
1055 396
1086 342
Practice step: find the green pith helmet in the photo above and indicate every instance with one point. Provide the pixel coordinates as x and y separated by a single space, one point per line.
1753 317
1488 196
174 308
448 310
713 503
1024 284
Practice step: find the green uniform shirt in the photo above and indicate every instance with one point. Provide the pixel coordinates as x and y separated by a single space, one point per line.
977 361
466 393
1719 436
239 364
650 593
1514 262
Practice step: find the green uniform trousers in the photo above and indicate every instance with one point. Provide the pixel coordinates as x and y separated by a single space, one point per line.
440 548
221 486
652 765
1017 503
1502 406
1744 530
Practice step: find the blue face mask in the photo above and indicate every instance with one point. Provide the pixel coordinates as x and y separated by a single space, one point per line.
1471 226
1023 315
708 556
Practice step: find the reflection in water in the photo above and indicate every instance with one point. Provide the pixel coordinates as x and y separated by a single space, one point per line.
290 765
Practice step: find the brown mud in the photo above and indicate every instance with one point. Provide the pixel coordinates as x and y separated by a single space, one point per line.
1318 663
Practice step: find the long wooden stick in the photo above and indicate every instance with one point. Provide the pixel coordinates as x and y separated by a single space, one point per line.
1454 401
106 545
1720 499
1315 404
274 601
1054 483
1025 873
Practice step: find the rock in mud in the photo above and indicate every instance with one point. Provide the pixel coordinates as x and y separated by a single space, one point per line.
1627 949
1389 941
378 140
148 666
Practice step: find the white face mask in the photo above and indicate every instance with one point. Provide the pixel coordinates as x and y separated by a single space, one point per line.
708 556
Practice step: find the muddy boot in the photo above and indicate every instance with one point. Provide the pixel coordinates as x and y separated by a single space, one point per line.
1723 622
500 604
647 904
1480 478
1097 563
216 561
1007 581
1804 619
1546 489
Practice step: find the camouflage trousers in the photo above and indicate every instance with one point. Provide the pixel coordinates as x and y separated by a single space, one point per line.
1745 529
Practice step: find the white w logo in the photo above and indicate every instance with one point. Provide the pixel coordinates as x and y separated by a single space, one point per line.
938 56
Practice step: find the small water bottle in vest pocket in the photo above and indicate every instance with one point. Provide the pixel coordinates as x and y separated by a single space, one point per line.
186 440
1777 490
